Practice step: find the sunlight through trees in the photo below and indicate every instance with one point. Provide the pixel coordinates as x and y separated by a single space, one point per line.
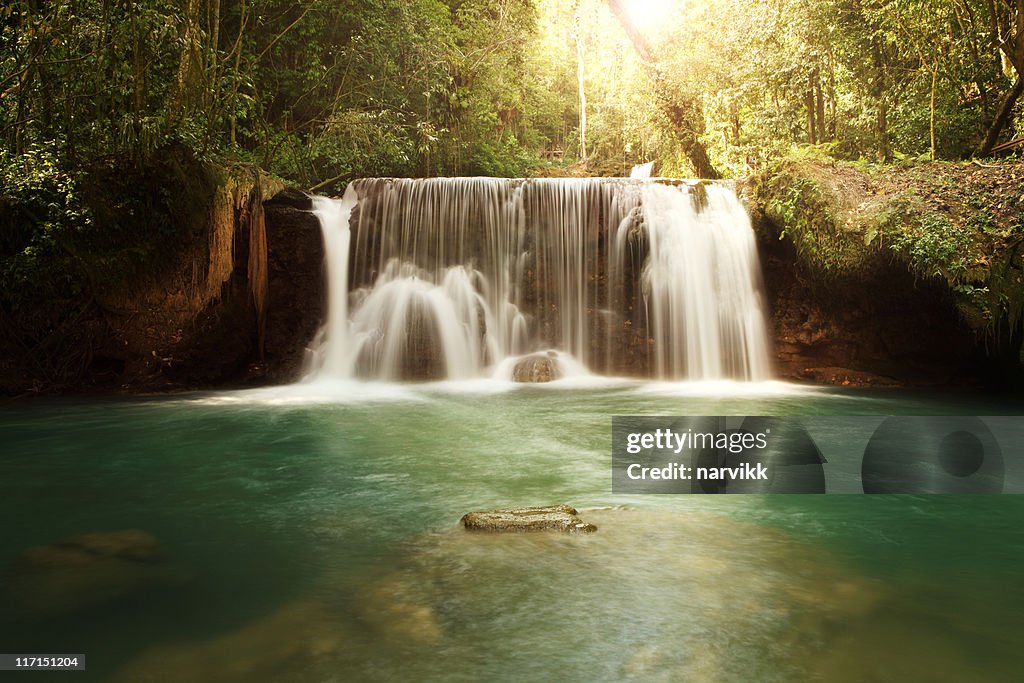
323 91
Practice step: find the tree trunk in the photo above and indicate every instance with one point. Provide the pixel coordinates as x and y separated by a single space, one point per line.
832 124
582 85
243 18
935 81
1006 32
734 117
187 83
1002 118
215 102
812 129
683 112
819 103
879 91
884 150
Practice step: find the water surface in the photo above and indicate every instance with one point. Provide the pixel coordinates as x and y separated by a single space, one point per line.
313 535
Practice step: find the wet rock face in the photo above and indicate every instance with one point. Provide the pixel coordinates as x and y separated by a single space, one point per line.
296 283
85 570
538 368
554 518
881 327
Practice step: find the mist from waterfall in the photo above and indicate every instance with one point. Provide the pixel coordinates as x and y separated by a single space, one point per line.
449 278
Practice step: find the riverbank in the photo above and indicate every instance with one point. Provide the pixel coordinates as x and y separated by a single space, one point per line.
894 275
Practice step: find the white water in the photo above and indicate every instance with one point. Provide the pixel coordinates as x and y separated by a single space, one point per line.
702 280
453 277
642 171
331 356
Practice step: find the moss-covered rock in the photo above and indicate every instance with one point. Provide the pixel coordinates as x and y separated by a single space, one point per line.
914 256
537 368
553 518
957 223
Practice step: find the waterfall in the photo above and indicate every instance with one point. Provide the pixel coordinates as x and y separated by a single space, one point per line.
331 355
702 282
642 171
452 277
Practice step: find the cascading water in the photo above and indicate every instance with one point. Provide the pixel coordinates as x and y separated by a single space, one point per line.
332 356
642 171
451 277
702 283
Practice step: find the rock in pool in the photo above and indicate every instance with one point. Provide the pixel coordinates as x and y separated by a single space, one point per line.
553 518
538 368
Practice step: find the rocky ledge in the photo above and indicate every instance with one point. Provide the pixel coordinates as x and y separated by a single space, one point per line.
553 518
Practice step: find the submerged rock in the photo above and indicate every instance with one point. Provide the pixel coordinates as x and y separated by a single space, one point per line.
85 570
554 518
280 647
397 610
537 368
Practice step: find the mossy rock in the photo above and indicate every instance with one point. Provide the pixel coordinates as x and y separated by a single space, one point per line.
939 220
554 518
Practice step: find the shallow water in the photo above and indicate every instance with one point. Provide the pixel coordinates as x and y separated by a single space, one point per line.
313 536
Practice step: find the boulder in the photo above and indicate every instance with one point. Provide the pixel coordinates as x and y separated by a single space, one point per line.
538 368
553 518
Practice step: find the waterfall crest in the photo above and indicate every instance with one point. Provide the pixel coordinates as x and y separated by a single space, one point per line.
449 277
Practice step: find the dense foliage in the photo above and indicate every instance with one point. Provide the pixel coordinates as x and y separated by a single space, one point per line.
311 90
316 90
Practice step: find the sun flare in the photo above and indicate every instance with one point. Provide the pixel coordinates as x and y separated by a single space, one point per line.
650 15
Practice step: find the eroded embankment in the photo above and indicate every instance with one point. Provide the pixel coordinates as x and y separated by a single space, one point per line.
153 277
894 275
